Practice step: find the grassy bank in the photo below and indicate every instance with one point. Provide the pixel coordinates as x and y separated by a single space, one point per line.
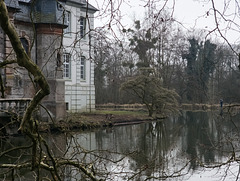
114 115
96 119
183 106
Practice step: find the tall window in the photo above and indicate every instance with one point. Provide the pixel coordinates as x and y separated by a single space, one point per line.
82 26
83 68
67 20
25 44
67 65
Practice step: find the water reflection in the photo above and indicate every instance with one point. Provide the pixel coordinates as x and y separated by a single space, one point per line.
18 150
174 147
179 148
199 136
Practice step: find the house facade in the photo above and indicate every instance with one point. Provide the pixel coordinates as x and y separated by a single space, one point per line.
41 25
78 65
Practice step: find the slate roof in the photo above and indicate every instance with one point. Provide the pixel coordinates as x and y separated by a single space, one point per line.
83 4
12 4
26 1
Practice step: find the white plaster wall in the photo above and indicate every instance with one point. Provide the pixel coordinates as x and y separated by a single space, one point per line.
79 94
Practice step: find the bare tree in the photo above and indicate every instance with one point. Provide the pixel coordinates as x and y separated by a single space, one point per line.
41 157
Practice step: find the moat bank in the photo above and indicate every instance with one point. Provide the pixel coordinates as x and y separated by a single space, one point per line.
114 115
103 118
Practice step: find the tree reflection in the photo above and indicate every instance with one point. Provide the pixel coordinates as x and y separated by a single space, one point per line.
166 148
199 138
158 150
18 150
147 146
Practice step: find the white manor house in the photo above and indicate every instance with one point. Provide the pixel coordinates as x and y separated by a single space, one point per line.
78 66
56 34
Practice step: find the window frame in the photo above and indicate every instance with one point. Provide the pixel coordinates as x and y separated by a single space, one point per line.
68 18
82 22
66 65
25 44
83 68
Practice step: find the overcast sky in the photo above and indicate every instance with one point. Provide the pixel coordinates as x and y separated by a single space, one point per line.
191 13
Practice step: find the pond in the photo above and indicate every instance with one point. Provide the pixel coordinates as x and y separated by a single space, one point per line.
192 146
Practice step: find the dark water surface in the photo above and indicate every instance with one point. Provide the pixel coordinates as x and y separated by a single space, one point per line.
180 148
193 146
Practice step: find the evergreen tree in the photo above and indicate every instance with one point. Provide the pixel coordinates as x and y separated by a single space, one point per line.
200 64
